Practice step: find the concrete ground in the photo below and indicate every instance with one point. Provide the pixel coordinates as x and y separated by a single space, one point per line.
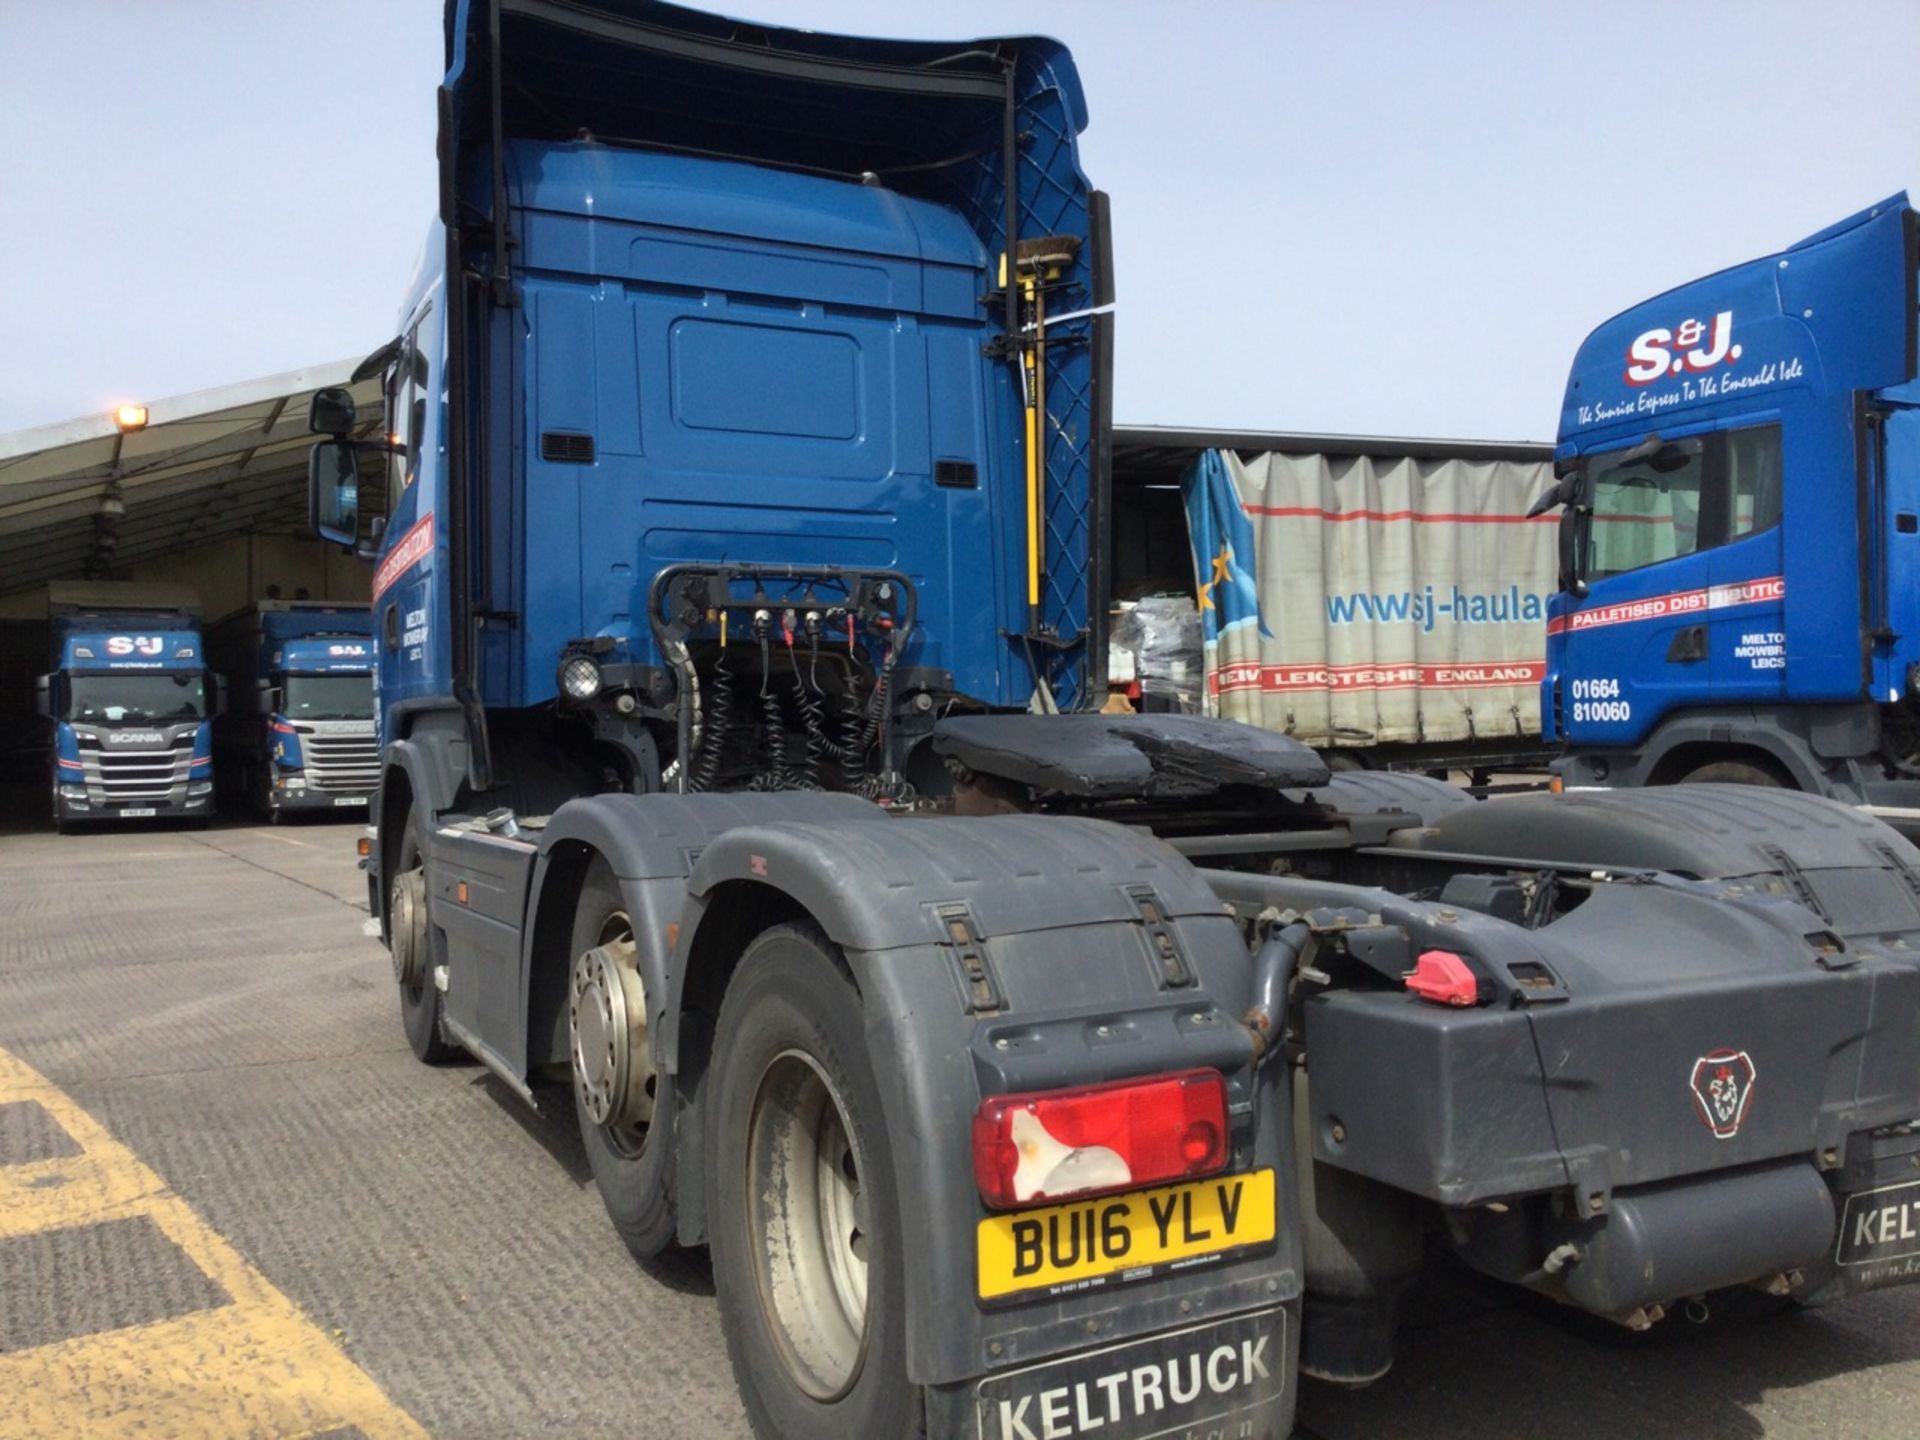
222 1172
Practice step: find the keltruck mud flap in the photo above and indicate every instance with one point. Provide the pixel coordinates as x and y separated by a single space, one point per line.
1880 1234
1877 1242
1227 1379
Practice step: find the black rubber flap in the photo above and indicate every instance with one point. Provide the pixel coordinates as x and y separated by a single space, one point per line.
1115 757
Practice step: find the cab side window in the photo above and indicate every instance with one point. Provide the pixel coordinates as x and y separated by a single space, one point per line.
1689 495
406 404
1753 474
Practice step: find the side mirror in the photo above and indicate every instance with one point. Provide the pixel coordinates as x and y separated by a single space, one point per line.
266 700
43 696
1569 488
333 492
1546 502
331 412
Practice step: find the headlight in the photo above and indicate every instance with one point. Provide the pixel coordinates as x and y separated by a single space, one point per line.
289 782
73 792
579 678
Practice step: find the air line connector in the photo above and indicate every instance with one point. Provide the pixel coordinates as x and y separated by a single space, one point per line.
1275 964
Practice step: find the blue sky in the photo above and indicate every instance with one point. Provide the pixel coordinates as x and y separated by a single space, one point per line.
1394 218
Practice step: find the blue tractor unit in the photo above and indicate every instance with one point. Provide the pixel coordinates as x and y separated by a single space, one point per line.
302 740
1740 547
131 701
1026 1070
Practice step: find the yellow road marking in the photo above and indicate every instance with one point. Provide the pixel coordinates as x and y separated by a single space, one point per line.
255 1367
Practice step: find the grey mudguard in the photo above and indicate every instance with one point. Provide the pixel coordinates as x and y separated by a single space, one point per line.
1706 831
1587 1081
1860 877
651 843
1358 792
432 755
1082 997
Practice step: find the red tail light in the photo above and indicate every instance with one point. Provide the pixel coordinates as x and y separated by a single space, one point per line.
1097 1138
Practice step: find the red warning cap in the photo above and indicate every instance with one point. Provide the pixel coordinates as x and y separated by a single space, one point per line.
1443 978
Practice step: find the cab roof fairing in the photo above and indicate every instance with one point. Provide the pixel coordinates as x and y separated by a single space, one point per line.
325 655
90 651
666 77
1834 301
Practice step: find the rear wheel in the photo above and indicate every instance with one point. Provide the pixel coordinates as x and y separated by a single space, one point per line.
806 1234
1736 772
420 999
624 1106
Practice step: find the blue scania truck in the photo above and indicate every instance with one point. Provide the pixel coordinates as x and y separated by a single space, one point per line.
132 704
1026 1071
1740 544
301 737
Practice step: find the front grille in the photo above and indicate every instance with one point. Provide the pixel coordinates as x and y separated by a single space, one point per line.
136 775
342 764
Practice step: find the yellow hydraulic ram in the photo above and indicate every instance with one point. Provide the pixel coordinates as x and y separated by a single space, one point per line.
1038 262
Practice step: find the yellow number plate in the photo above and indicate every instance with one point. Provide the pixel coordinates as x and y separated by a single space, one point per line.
1084 1242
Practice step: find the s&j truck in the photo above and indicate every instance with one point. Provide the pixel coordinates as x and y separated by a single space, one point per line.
131 702
1026 1071
1739 465
301 738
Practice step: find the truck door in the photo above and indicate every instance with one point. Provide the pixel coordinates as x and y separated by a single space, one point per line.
1746 597
406 604
1637 646
1893 458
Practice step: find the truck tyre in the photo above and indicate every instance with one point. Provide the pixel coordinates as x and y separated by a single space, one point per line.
628 1136
805 1234
420 1000
1735 772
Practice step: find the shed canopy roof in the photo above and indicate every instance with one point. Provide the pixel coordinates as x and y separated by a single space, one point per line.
221 462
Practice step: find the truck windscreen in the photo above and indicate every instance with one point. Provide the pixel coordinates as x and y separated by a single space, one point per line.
328 697
111 699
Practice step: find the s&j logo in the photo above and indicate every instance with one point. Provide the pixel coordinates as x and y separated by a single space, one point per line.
1660 352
